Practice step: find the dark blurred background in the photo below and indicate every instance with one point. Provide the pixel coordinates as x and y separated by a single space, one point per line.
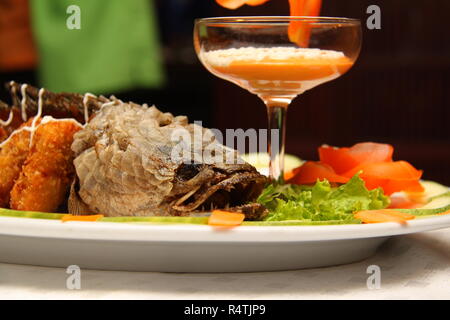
398 91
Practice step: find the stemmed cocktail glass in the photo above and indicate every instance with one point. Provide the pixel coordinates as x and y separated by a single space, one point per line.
259 54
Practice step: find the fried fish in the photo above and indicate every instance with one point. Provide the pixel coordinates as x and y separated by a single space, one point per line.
124 159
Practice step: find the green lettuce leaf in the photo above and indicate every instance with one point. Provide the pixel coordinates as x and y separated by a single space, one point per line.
321 202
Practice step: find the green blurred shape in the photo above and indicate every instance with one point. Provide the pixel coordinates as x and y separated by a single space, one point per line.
116 49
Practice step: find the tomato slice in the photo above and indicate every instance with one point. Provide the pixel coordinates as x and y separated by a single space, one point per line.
298 31
345 159
289 175
392 186
396 170
373 162
391 176
312 171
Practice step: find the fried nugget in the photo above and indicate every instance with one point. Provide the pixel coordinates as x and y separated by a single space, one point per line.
3 135
12 156
48 169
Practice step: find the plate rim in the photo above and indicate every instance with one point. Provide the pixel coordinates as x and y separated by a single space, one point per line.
150 232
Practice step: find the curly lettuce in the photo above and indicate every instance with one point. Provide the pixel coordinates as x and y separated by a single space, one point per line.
321 202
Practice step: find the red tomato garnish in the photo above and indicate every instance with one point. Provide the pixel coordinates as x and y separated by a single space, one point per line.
398 170
373 162
311 171
391 176
392 186
345 159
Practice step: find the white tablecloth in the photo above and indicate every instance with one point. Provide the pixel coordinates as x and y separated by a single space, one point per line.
412 267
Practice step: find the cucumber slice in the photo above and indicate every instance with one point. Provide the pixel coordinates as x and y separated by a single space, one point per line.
299 223
158 220
261 161
433 189
447 194
439 204
29 214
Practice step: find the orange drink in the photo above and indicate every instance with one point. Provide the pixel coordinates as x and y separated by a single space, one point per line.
281 71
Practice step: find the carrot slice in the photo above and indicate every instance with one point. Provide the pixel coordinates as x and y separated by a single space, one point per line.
311 171
234 4
225 219
384 215
444 213
231 4
71 217
299 32
255 2
345 159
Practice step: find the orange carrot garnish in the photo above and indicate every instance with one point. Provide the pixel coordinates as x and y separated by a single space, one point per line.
299 32
234 4
71 217
225 219
384 215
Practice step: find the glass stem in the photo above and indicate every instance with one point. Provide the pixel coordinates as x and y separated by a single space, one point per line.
276 110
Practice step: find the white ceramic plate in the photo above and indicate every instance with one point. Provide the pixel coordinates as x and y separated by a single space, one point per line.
194 248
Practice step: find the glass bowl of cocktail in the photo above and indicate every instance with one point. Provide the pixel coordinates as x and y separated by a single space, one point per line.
277 58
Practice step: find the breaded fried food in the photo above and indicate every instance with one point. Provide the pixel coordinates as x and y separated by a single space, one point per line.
48 170
12 156
3 135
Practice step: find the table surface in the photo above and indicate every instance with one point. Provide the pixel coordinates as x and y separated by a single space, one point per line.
414 266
